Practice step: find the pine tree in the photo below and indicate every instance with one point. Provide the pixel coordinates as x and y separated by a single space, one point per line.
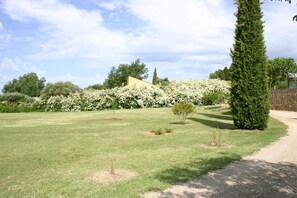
249 85
155 77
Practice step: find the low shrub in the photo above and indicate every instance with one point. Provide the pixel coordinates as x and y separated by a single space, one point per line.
16 98
162 131
193 90
213 98
6 107
183 109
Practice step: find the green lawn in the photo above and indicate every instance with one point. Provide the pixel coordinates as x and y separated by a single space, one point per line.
55 154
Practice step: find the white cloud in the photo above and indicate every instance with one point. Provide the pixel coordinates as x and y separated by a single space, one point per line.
1 26
79 80
182 28
68 31
110 5
12 64
280 30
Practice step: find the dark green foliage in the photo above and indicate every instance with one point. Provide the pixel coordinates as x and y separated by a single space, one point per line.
155 77
28 84
163 81
97 87
278 70
117 77
58 89
213 98
183 109
221 74
6 107
15 98
249 87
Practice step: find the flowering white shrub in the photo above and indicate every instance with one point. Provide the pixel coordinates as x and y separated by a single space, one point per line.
130 97
193 90
64 104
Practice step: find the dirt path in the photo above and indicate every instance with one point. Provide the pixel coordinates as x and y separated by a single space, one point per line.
272 172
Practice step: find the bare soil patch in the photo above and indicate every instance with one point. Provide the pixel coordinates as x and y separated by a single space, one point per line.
113 119
105 177
148 133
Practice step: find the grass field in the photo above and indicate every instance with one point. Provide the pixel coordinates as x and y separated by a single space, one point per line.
56 154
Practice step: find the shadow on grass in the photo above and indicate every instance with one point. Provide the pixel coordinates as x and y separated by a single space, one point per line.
220 117
246 178
214 123
179 123
194 169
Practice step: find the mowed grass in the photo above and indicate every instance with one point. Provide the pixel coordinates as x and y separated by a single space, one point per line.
56 154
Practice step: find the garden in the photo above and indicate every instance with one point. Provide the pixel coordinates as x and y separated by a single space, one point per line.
115 153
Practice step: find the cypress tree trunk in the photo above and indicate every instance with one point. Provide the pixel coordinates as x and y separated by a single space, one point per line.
249 84
155 77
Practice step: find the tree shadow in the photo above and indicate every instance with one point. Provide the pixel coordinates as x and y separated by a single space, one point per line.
246 178
220 117
194 169
214 124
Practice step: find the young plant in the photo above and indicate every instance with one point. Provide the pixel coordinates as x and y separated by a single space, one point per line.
112 170
216 137
183 109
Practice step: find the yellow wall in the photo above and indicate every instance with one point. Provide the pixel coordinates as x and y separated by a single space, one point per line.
138 83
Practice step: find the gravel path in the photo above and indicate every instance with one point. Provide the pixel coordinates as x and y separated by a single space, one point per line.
272 172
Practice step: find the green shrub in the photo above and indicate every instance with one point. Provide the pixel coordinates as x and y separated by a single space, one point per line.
213 98
183 109
59 89
16 98
6 107
168 130
162 131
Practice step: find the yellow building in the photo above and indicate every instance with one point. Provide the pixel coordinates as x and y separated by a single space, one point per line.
138 83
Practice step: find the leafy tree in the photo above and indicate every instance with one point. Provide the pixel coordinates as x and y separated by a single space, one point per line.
59 88
221 74
118 76
96 87
163 81
155 77
278 71
28 84
249 85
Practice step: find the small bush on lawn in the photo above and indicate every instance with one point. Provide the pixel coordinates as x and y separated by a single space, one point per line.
213 98
183 109
162 131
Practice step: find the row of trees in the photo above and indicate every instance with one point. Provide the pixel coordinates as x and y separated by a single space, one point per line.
278 72
30 84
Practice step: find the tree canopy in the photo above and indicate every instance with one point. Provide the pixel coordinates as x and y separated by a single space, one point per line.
278 71
118 76
155 77
28 84
223 74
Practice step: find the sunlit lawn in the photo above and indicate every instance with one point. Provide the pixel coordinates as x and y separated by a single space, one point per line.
55 154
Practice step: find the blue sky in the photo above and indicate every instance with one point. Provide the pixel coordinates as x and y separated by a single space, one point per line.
79 41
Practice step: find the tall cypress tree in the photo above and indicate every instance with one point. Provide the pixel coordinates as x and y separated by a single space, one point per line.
155 77
249 84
